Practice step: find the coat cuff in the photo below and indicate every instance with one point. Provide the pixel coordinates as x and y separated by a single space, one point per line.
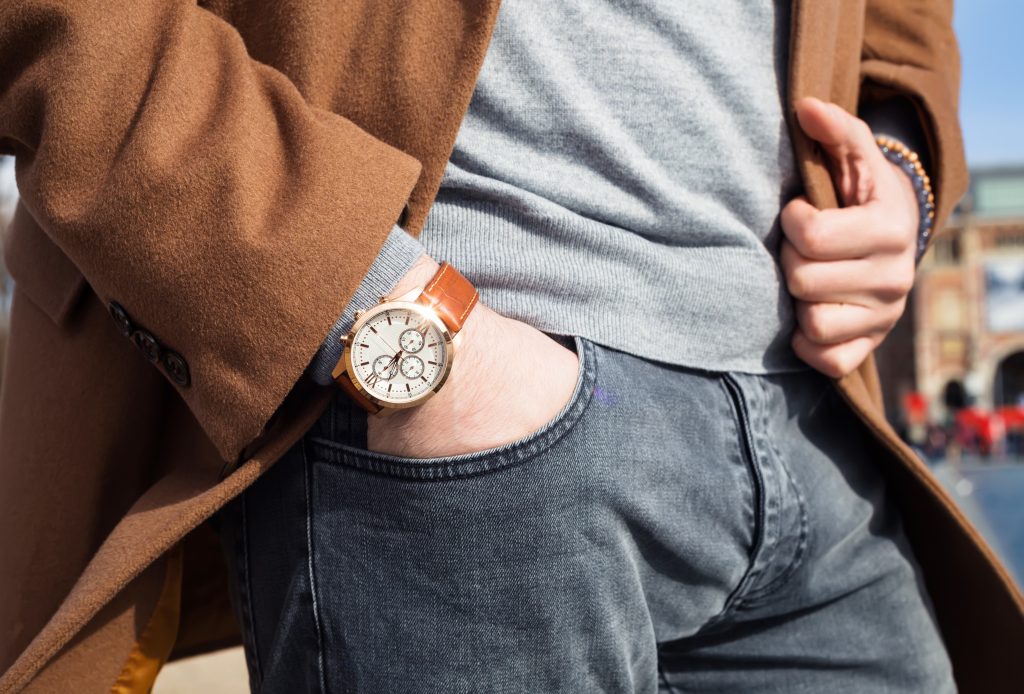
398 254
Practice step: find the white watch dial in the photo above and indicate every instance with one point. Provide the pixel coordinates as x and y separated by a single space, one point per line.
398 355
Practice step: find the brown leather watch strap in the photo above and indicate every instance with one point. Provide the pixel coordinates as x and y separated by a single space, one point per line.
451 295
349 387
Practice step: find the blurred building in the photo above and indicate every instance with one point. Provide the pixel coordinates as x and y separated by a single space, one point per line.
961 338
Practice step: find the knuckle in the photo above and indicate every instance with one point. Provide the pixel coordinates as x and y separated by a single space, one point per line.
789 208
797 213
901 229
861 131
865 183
798 282
835 365
791 214
889 317
898 310
815 323
815 237
900 283
906 283
787 254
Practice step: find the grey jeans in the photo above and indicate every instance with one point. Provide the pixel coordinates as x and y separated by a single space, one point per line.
671 529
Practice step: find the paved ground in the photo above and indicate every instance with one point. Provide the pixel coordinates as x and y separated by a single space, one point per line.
222 672
992 495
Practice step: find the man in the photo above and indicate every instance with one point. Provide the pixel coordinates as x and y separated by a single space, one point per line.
223 213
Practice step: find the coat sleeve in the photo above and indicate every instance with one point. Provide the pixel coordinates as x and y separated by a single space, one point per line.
196 188
910 51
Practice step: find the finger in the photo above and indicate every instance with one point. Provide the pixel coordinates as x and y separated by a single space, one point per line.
835 361
849 142
868 282
829 324
844 232
838 130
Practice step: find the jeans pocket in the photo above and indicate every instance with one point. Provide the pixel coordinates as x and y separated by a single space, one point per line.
343 447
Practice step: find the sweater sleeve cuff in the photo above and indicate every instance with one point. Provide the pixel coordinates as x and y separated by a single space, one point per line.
398 254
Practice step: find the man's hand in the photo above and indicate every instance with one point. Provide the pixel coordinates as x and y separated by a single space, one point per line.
849 269
508 380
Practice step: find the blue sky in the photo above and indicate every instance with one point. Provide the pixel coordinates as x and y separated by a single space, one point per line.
991 37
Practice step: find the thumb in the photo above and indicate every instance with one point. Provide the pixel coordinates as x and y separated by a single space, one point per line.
849 143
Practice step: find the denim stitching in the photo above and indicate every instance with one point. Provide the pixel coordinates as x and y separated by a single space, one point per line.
740 412
246 585
778 496
770 498
332 417
797 559
802 504
669 687
310 563
481 462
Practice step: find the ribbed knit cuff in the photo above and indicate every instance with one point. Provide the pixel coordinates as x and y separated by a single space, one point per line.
398 254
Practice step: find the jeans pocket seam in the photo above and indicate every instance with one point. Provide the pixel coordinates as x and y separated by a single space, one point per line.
246 607
311 567
477 462
796 561
753 570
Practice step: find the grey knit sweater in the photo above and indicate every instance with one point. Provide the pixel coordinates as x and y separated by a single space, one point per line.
619 175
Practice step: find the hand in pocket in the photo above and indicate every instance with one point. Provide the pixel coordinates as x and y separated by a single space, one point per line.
508 380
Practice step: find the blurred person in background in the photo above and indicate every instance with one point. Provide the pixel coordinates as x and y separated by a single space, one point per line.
631 261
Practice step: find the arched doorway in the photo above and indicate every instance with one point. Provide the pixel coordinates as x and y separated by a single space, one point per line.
954 396
1008 384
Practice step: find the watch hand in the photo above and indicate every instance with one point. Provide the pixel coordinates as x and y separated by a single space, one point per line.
387 347
392 366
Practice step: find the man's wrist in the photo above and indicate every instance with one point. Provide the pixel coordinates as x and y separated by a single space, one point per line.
913 173
417 276
422 271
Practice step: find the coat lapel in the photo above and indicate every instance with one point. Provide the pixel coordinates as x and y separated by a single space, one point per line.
812 43
813 31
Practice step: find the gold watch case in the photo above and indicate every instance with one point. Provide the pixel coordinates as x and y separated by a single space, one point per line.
346 367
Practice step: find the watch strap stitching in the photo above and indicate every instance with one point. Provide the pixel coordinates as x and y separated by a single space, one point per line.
470 305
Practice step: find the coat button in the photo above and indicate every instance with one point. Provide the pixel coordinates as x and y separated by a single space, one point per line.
121 319
176 368
148 344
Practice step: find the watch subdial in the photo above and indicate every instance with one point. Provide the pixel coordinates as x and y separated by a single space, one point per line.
385 367
412 367
411 341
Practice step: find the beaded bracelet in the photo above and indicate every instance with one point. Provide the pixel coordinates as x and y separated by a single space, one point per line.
901 155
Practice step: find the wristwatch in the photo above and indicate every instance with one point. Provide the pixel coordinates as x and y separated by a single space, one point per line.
399 353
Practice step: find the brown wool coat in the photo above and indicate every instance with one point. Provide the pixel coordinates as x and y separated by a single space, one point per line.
226 172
